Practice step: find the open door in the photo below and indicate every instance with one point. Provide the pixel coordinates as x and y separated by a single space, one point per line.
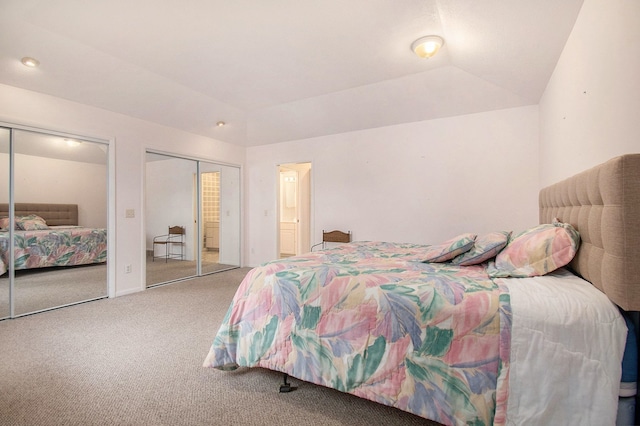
294 209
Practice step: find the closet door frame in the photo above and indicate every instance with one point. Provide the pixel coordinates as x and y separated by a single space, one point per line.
111 214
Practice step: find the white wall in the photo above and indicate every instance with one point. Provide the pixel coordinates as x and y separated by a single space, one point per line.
129 138
590 111
419 182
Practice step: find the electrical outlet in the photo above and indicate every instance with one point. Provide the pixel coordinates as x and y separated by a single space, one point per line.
130 213
127 269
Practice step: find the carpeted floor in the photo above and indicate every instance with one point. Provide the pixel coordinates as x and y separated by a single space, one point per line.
44 288
137 360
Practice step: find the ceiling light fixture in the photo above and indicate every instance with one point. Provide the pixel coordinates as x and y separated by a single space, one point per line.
426 47
220 123
72 143
30 62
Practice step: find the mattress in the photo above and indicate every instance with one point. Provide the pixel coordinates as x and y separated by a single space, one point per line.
567 344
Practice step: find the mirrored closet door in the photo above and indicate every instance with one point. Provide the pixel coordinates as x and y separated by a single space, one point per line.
192 211
55 242
5 291
170 219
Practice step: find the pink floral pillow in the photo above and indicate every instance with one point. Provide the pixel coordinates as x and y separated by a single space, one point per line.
4 223
537 251
484 248
450 248
31 222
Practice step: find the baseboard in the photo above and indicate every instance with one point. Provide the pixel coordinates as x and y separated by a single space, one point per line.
126 292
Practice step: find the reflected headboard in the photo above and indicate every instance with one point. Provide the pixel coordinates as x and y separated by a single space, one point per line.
53 214
603 204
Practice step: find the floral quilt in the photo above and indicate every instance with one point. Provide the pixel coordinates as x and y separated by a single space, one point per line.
373 320
64 246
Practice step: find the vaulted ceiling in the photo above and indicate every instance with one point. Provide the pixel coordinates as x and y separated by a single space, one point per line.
281 70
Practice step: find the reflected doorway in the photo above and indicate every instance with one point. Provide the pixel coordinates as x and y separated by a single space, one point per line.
220 217
294 209
210 188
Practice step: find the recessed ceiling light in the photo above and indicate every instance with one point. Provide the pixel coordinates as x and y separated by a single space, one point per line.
30 62
220 123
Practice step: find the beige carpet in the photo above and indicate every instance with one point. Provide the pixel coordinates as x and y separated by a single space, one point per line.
137 360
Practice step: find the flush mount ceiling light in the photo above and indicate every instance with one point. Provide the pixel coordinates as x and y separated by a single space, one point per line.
426 47
30 62
220 123
72 143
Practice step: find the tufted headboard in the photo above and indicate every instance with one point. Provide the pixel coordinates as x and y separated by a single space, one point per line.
603 204
53 214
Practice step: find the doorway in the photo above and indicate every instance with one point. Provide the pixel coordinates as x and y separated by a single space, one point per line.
294 209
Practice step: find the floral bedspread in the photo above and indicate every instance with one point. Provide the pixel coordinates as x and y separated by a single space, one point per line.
63 246
371 319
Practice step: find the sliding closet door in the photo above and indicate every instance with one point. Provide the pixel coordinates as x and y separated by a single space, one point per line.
204 199
5 307
65 263
170 202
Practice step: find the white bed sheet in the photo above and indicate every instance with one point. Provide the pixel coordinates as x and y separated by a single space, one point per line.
567 345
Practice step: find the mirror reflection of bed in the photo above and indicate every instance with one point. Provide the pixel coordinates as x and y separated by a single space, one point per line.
56 261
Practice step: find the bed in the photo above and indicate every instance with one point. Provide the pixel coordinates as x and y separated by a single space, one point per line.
48 235
499 328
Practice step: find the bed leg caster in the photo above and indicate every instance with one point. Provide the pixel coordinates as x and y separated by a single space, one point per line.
286 387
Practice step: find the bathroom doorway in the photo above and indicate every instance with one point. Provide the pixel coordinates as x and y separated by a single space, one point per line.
294 209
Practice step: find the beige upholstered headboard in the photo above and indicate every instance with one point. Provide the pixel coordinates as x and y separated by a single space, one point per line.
603 204
53 214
